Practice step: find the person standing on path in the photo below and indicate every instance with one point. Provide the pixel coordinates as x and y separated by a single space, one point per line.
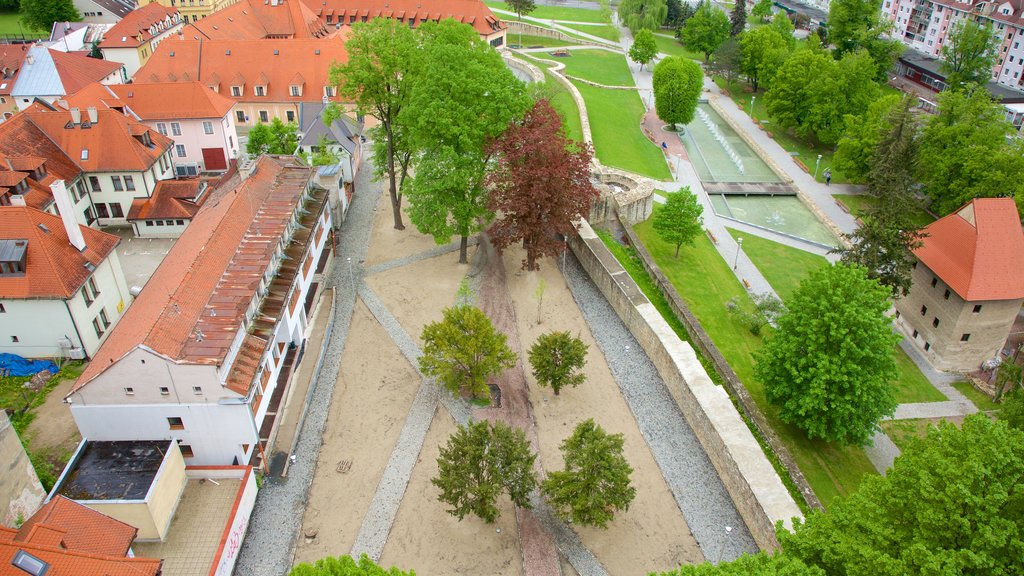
828 176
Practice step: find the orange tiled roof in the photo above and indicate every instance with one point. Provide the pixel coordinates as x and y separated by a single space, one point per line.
77 71
111 141
978 250
472 12
96 95
54 268
194 303
11 58
256 19
246 60
84 529
134 29
159 101
171 199
20 137
66 562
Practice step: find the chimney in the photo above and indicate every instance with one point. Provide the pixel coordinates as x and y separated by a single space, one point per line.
93 115
9 165
17 200
76 116
67 214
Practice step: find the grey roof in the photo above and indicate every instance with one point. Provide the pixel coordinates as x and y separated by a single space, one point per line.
60 29
122 470
342 131
816 14
329 170
40 77
933 66
119 8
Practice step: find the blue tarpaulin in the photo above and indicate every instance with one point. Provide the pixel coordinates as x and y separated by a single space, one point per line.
14 365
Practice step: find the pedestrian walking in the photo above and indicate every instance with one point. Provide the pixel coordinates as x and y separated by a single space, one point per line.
828 176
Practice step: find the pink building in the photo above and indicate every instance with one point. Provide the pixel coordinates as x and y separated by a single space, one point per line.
197 119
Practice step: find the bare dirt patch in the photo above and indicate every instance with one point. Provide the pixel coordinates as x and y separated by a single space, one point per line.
54 431
390 244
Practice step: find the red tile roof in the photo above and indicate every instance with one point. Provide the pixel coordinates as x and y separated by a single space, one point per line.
77 71
160 101
978 250
20 137
83 529
473 12
70 563
171 199
135 29
11 58
54 268
245 61
195 302
256 19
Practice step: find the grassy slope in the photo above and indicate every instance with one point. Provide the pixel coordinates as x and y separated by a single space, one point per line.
563 101
537 41
9 24
673 47
980 400
557 12
607 32
601 66
705 281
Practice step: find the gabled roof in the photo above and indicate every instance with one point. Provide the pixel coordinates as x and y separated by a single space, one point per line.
20 137
111 142
45 545
978 251
160 101
49 72
12 56
119 8
344 131
171 199
134 29
257 19
277 60
84 529
195 302
473 12
54 268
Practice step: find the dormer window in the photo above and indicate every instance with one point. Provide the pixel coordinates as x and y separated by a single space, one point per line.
39 173
329 91
21 187
13 257
236 91
261 90
295 90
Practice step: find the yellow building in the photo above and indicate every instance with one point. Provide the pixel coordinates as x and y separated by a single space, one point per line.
134 39
192 10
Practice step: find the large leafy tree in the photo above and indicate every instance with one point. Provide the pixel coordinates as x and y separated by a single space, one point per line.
378 78
677 83
595 482
674 13
861 137
644 48
41 14
829 366
540 185
738 19
857 24
762 9
557 359
728 60
706 30
967 151
784 26
679 220
274 138
463 350
969 53
637 14
480 462
764 50
463 98
884 241
950 504
346 566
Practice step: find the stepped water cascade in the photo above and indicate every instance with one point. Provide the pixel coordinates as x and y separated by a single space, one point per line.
721 140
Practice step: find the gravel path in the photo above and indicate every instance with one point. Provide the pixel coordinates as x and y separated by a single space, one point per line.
269 545
425 255
694 482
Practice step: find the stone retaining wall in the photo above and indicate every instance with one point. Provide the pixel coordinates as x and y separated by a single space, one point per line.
757 491
515 27
703 342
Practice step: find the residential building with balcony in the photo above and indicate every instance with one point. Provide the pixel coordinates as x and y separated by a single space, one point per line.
968 285
205 354
134 39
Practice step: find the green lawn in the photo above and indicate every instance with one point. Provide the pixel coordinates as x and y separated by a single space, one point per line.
529 41
982 401
10 23
857 203
601 66
615 117
673 47
563 101
607 32
557 13
14 398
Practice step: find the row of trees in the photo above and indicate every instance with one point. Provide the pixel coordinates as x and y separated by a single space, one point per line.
480 144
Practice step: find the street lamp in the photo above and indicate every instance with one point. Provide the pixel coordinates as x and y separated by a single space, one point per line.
753 100
735 263
816 164
718 557
351 276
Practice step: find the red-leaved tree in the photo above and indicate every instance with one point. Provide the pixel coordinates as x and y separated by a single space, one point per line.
540 186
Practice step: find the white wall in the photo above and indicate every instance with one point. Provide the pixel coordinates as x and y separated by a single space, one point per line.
128 56
194 138
114 298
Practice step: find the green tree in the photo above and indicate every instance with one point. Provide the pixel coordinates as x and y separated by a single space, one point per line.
95 51
767 310
679 220
463 350
637 14
861 136
595 482
738 19
1008 377
41 14
727 61
322 155
761 564
678 82
762 9
644 48
764 50
345 566
558 359
784 26
969 53
857 24
274 138
479 463
967 151
706 30
521 7
829 366
1012 411
463 98
378 77
674 14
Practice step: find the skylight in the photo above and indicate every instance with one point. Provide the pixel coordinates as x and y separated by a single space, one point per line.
85 153
30 564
